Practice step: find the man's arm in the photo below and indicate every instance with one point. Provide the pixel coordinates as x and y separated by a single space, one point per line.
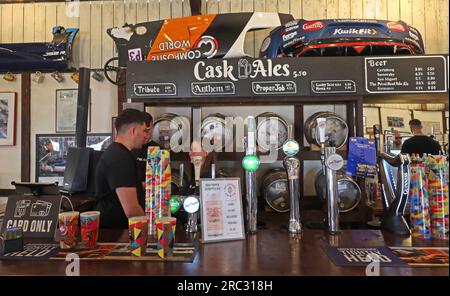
129 201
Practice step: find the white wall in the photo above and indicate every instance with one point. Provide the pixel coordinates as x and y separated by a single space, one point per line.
430 116
372 117
10 155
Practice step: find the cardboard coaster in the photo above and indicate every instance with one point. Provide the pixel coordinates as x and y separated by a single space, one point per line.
182 252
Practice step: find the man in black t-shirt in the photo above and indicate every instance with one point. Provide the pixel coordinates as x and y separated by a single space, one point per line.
420 143
141 154
119 193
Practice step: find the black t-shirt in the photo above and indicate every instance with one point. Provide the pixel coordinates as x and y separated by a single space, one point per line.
421 145
141 158
116 168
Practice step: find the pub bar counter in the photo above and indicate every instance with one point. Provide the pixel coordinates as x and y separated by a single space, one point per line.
269 252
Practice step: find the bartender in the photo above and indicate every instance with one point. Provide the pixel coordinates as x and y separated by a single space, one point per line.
119 192
141 154
420 143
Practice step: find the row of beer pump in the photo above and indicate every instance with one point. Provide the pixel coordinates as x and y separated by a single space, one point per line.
331 162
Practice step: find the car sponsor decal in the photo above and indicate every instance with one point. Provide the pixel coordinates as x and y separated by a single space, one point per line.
294 41
414 42
393 26
353 31
313 26
289 36
413 36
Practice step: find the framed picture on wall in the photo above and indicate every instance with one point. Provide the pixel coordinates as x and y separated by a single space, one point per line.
51 153
66 111
7 118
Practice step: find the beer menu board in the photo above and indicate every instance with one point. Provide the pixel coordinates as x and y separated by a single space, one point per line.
221 209
407 74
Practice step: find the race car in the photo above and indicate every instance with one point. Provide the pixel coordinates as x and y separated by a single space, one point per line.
42 56
342 37
194 37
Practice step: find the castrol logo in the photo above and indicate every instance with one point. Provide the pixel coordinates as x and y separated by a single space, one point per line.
313 26
393 26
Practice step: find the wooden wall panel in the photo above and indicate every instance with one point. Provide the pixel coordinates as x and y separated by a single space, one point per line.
96 35
356 8
442 25
344 9
153 10
332 8
212 6
86 35
29 21
50 21
296 8
394 10
6 20
107 22
177 8
17 22
432 35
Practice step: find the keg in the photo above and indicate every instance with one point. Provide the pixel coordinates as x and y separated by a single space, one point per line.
166 125
275 190
336 129
213 129
349 193
271 128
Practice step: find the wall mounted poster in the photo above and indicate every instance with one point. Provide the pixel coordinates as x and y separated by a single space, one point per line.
7 118
66 110
394 121
221 210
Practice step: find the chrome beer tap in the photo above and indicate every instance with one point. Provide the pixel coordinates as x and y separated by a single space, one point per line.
251 163
292 166
331 162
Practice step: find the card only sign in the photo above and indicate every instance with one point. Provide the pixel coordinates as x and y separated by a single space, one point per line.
36 215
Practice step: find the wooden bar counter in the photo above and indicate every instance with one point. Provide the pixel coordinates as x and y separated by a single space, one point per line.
269 252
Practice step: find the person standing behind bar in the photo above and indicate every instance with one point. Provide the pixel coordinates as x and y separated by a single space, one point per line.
119 193
420 143
141 154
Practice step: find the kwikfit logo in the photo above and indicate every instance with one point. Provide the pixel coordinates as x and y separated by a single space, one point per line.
354 31
313 26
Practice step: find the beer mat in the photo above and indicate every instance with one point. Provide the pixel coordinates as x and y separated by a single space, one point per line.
389 256
422 256
33 251
362 256
182 252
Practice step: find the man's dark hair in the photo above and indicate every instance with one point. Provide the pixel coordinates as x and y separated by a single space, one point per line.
149 119
129 116
415 123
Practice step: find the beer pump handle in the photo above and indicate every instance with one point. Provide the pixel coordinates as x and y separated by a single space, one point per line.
321 126
251 136
181 174
213 171
290 131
